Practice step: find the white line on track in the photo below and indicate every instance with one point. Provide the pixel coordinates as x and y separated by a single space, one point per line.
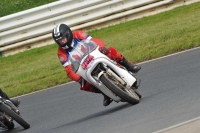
178 125
169 55
43 89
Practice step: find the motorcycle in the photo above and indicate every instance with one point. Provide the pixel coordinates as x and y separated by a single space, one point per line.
110 78
8 113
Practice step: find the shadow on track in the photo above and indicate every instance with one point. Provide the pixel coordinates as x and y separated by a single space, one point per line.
102 113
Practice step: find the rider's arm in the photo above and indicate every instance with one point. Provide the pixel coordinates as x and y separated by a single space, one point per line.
62 55
73 76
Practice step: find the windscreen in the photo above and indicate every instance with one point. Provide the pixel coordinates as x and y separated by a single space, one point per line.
81 50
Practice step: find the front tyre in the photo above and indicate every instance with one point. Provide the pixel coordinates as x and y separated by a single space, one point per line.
111 83
14 116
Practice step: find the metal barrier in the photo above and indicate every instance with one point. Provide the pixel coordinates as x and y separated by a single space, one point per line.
32 28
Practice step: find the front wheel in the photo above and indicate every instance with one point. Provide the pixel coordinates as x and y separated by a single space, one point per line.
124 93
14 116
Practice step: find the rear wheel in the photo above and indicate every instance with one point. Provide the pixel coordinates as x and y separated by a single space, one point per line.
126 94
14 116
6 124
10 125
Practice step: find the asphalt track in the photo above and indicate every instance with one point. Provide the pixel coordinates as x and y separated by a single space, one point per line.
171 95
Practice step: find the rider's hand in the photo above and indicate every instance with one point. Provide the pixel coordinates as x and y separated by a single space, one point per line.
103 50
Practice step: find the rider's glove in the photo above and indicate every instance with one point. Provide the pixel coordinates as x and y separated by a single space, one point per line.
81 81
104 50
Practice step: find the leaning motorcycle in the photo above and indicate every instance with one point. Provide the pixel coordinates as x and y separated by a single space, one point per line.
8 113
105 74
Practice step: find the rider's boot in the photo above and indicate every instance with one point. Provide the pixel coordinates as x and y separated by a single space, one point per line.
16 102
129 66
107 100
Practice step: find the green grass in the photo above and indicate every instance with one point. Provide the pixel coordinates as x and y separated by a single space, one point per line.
155 36
8 7
138 40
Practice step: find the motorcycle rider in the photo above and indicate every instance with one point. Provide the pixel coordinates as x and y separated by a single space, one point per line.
66 40
16 102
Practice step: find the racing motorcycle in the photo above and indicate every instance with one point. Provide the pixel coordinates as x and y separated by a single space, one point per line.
110 78
8 113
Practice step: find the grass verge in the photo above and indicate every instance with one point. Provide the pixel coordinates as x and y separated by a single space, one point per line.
8 7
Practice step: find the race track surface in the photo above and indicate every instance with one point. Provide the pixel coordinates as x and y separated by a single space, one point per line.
171 94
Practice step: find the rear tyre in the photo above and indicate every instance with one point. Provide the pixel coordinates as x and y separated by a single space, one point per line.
14 116
127 95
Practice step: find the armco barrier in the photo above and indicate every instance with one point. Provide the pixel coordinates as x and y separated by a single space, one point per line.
32 28
73 18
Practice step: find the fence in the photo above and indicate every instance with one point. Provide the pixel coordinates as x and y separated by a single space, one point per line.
32 28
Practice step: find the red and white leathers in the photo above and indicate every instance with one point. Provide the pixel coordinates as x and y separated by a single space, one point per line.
64 53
